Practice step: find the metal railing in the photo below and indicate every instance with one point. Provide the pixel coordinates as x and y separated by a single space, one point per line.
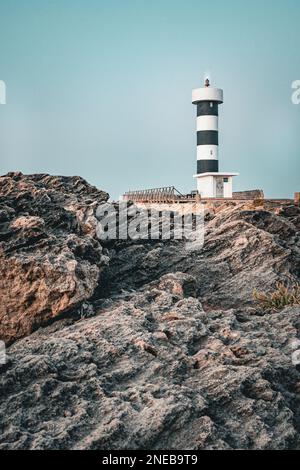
166 194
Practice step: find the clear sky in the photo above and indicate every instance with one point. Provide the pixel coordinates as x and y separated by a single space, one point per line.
102 89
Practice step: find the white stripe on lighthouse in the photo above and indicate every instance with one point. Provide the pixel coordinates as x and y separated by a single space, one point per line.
207 152
207 123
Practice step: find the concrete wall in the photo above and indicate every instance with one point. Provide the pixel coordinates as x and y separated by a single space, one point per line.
183 208
205 186
228 188
252 194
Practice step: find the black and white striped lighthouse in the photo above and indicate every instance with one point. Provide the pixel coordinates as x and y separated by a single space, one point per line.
210 182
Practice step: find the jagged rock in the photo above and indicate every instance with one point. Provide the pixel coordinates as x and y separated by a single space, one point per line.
155 371
49 260
243 251
162 348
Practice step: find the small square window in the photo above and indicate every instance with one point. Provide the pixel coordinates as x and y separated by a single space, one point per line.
225 180
211 104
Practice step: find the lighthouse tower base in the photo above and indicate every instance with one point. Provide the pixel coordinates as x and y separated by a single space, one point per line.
215 185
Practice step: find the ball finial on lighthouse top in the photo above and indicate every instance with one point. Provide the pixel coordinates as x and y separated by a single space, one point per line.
206 83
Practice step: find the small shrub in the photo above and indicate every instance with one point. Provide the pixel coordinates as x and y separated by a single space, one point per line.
278 299
259 202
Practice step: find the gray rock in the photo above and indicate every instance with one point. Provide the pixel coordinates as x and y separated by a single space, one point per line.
50 260
243 251
155 371
154 345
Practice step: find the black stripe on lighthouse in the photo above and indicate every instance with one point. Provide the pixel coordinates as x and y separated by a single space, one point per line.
207 138
207 166
207 108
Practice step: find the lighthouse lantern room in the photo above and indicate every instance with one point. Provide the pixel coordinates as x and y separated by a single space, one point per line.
210 182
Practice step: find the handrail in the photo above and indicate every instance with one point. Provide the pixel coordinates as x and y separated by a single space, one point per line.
163 194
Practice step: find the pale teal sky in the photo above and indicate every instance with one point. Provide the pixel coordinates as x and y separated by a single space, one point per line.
102 89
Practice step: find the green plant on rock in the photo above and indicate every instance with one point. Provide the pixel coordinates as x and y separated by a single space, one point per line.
282 296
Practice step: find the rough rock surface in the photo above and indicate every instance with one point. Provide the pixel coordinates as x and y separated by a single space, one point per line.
49 259
177 354
153 370
243 250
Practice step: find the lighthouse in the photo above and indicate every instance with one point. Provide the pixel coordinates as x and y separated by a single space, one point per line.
211 183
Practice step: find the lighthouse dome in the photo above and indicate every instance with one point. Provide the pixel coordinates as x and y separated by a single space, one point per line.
207 94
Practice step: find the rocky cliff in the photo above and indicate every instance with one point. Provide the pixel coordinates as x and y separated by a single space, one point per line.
143 344
50 261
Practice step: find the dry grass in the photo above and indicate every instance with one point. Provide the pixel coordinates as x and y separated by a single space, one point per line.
278 299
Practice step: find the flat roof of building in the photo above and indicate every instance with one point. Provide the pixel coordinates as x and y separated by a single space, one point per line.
201 175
